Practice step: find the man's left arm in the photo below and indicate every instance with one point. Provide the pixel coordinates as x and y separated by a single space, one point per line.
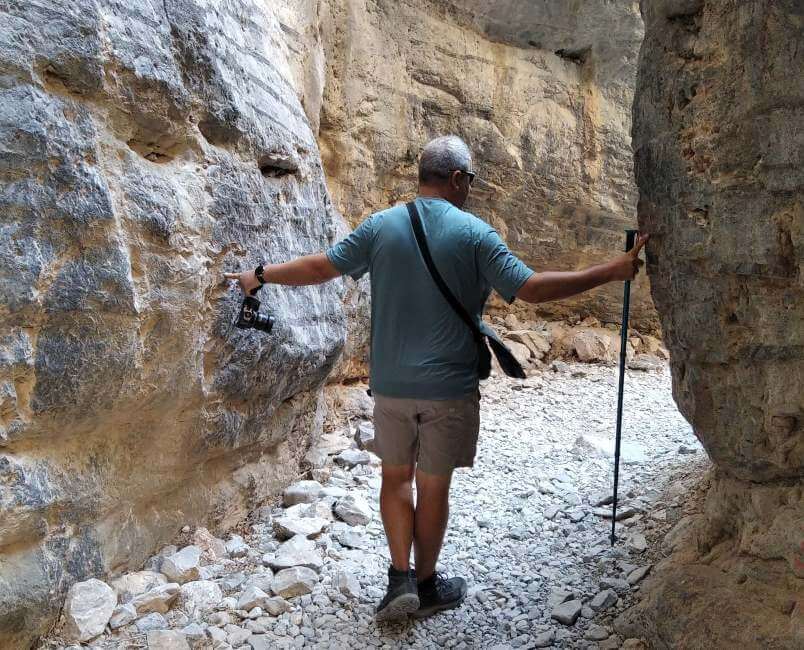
303 271
348 257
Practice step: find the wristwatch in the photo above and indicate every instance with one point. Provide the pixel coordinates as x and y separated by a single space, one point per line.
258 272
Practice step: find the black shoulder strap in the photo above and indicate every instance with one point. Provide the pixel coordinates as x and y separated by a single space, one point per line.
421 240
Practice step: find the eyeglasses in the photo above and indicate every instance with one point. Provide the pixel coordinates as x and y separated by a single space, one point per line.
471 175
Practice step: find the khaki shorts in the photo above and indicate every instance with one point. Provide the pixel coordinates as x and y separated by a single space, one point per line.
439 435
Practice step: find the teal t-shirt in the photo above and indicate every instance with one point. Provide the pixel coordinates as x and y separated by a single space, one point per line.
420 348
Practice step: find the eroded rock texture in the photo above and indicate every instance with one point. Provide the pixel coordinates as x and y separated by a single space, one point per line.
540 90
146 147
719 147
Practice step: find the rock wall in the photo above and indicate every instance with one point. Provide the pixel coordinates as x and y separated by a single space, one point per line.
541 92
720 167
146 147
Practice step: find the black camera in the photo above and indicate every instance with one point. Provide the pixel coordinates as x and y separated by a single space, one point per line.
251 318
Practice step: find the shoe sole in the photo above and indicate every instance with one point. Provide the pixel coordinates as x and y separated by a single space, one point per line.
434 609
399 607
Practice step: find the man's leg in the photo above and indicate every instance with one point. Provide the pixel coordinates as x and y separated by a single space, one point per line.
448 432
432 512
396 508
396 440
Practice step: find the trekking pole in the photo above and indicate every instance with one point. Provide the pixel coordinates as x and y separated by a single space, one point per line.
630 240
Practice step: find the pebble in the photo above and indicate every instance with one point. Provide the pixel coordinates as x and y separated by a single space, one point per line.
596 633
603 600
354 510
567 613
152 621
183 566
302 492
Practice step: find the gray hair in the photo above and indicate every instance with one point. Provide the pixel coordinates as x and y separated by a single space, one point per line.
442 156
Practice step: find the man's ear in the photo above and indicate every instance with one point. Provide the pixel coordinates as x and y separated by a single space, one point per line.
455 180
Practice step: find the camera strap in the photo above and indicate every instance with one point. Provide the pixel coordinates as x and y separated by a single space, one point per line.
421 240
508 362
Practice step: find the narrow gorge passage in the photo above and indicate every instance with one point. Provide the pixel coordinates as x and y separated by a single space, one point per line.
524 531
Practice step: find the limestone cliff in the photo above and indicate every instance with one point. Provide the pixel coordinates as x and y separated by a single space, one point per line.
719 151
146 147
541 92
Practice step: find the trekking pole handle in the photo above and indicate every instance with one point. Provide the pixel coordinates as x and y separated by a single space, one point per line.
630 239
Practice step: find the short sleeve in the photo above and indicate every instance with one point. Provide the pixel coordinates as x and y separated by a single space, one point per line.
351 256
503 270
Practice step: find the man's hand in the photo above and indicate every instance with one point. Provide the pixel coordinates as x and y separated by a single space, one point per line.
247 281
627 265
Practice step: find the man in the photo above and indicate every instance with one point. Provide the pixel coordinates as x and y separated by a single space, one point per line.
424 357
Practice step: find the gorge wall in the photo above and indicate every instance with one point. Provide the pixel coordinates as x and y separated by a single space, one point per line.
540 91
719 150
145 148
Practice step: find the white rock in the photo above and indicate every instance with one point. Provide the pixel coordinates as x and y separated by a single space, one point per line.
596 633
298 551
216 635
87 609
558 596
636 542
603 600
199 596
334 491
294 582
637 574
167 640
133 584
212 548
618 584
122 615
364 436
351 538
236 636
184 565
219 619
152 621
347 584
195 634
159 599
302 492
352 457
252 597
567 613
261 579
237 547
287 527
353 509
277 605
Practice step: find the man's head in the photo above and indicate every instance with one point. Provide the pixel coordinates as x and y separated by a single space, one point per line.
445 169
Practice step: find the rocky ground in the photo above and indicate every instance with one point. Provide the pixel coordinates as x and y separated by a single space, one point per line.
529 530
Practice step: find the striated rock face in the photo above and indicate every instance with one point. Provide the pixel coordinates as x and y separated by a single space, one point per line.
720 167
146 147
540 90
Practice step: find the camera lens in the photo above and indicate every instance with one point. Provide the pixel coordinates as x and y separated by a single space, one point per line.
263 323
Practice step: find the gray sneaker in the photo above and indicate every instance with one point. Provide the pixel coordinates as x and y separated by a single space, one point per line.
438 593
402 597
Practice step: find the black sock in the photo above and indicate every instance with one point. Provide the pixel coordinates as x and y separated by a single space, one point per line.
428 583
393 571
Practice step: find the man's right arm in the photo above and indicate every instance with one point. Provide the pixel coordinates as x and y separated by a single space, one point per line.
555 285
